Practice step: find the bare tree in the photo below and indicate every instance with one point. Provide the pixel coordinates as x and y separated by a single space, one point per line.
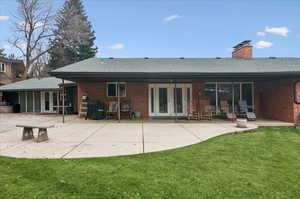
40 67
32 31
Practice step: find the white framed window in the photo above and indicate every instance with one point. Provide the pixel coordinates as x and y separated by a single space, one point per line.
112 89
2 67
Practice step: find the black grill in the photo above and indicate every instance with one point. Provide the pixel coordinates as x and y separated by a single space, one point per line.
95 110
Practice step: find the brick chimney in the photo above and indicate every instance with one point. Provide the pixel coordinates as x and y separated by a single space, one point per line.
243 50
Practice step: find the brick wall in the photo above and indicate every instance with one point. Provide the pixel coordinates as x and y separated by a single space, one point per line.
75 99
275 100
136 93
197 93
297 106
258 102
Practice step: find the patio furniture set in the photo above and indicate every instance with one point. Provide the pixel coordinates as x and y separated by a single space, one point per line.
97 110
206 111
125 110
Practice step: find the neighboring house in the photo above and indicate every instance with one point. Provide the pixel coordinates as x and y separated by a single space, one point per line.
267 84
40 95
11 70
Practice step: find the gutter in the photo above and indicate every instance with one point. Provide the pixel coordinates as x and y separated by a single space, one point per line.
39 89
170 74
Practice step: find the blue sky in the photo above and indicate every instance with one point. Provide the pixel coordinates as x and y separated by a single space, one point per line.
185 28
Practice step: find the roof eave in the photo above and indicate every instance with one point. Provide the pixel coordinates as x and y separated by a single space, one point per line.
38 89
110 74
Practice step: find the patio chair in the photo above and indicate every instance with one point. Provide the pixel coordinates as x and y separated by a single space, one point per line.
126 110
206 113
112 112
244 112
193 114
243 109
206 110
224 107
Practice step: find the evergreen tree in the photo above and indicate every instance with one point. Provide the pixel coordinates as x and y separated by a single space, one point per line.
74 37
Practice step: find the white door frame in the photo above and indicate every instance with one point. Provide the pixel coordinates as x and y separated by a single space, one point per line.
171 102
50 101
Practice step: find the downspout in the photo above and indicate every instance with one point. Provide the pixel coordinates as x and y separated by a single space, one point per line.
233 93
63 101
175 101
118 92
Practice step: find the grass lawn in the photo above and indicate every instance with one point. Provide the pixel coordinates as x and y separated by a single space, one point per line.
264 164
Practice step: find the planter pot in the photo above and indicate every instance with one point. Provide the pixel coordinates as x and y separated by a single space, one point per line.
241 123
137 114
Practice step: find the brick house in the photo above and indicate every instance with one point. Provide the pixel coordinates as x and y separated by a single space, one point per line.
266 84
11 70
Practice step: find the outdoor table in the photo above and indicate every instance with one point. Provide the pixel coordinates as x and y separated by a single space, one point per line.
28 132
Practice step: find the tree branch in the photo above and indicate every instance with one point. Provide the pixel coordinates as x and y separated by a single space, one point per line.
32 30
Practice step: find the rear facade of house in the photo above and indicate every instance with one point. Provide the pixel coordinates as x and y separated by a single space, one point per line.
169 87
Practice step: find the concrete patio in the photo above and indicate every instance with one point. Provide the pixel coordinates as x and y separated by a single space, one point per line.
79 138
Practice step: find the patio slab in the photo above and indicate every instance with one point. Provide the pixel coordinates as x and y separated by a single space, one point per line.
111 140
207 131
104 138
159 137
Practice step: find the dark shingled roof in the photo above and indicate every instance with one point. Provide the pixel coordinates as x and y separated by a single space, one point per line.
186 65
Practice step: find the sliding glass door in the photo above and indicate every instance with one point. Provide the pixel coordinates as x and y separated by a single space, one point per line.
225 93
210 91
232 93
247 95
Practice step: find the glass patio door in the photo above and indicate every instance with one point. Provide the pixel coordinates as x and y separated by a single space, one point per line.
163 100
169 99
49 101
178 100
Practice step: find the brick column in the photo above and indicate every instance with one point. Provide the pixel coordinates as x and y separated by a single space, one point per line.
197 89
